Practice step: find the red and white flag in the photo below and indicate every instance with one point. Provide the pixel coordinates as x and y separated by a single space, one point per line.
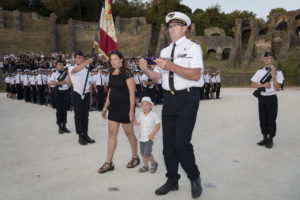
105 38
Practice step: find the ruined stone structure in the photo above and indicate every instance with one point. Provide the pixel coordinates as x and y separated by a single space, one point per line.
17 20
134 36
1 18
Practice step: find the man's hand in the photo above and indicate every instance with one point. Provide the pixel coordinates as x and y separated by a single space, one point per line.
266 85
164 64
273 72
89 61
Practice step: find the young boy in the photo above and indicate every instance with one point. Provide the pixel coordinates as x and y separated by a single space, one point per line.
150 124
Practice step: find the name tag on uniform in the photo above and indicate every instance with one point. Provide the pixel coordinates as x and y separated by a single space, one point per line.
181 55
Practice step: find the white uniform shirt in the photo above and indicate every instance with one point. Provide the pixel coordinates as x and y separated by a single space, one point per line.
207 78
279 72
12 80
259 74
78 80
147 124
25 80
54 77
106 79
18 78
201 80
184 48
218 78
32 80
137 79
40 80
98 79
7 79
213 79
144 77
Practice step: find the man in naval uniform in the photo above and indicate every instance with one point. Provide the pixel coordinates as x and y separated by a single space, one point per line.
180 74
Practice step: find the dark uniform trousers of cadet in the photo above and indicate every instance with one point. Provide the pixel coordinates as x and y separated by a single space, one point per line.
101 96
41 90
33 93
81 109
207 90
27 93
19 91
179 115
268 107
62 100
218 90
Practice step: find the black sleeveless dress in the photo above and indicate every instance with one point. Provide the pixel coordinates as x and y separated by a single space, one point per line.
118 110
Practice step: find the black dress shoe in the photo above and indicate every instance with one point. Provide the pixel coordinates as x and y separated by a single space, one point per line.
263 142
269 143
167 187
196 188
60 130
88 139
65 130
82 141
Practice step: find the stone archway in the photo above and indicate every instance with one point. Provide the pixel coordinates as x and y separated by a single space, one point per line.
282 26
298 31
226 53
263 31
245 38
212 54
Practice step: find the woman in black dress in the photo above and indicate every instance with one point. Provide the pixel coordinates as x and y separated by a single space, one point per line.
120 102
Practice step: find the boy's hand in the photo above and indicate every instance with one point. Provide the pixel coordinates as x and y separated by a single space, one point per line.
150 137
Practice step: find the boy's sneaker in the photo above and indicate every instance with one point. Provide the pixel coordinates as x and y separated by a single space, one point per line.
153 167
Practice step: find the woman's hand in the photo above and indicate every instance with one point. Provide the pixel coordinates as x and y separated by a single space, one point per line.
131 116
103 113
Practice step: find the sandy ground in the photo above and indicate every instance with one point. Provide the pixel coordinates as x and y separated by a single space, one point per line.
37 163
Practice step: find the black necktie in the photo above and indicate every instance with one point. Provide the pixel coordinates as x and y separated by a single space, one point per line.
171 74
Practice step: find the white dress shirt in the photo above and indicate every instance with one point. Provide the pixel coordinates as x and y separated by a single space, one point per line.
147 124
259 74
54 77
78 80
184 48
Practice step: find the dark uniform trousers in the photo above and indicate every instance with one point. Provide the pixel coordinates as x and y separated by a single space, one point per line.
41 90
268 107
33 94
101 96
218 90
53 101
19 91
207 90
159 94
27 93
178 120
62 100
81 109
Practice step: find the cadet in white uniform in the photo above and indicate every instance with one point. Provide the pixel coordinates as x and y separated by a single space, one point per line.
207 80
25 84
59 79
99 84
218 80
81 99
267 99
181 81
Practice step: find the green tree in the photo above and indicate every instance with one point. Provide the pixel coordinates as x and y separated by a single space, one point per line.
274 11
62 8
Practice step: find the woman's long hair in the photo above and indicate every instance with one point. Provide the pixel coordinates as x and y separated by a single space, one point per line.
120 55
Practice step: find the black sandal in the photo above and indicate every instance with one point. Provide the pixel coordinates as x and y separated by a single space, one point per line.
133 162
102 169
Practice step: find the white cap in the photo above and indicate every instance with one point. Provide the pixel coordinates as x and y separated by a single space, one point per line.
179 17
147 99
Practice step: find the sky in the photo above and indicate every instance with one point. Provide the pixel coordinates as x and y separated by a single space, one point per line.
260 7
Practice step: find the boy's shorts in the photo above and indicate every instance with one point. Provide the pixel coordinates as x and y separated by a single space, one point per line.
146 148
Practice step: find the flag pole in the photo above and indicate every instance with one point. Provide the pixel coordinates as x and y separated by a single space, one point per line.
92 55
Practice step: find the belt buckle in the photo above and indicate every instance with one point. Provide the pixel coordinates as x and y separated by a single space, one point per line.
172 92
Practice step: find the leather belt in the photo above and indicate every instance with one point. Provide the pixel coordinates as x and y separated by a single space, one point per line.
175 92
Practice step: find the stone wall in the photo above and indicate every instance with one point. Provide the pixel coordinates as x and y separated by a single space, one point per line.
31 32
